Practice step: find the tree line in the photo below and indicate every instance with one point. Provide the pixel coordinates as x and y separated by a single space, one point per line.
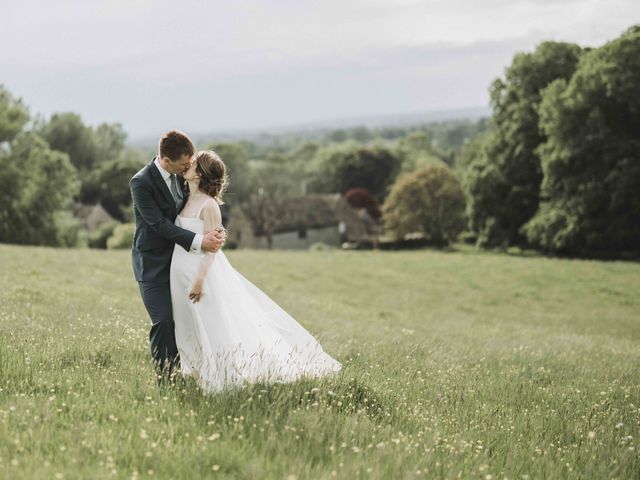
66 161
556 167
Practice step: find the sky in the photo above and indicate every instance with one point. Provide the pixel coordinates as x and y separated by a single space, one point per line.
204 66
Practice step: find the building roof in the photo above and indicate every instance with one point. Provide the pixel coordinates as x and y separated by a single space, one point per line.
323 210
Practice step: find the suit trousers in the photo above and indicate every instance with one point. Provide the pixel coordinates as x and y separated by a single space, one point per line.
162 338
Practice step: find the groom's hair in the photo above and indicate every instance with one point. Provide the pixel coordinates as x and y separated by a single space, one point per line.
174 144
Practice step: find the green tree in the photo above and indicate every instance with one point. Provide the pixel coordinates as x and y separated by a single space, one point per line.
298 162
108 184
109 141
235 159
503 183
429 201
266 204
416 151
469 152
13 115
591 159
37 184
338 136
67 133
361 134
338 168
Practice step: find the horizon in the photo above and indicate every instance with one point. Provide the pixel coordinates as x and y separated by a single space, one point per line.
400 119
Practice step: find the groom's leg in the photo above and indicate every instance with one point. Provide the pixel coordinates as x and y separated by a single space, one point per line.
162 339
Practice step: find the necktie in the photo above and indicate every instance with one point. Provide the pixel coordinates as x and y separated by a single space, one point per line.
174 189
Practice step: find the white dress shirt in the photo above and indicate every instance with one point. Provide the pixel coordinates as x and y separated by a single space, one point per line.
197 240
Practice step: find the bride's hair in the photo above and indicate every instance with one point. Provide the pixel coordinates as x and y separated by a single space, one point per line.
213 174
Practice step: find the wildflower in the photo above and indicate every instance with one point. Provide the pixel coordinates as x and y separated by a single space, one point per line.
591 435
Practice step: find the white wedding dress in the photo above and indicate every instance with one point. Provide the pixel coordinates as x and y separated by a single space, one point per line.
236 333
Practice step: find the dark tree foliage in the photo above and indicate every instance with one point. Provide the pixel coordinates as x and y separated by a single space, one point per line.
342 167
591 158
36 185
503 182
109 185
65 132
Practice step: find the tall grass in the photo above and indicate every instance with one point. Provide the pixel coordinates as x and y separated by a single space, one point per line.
456 365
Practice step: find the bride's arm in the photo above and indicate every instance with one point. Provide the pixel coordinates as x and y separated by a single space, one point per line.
212 218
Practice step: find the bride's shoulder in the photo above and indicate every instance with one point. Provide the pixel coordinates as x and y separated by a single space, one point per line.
210 203
210 207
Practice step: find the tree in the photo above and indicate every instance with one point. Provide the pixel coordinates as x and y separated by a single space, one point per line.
109 140
338 136
37 184
265 206
503 183
416 151
361 198
338 168
428 201
13 115
108 184
361 134
67 133
235 159
591 158
469 152
299 161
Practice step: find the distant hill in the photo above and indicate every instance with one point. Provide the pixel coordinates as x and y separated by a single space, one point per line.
322 126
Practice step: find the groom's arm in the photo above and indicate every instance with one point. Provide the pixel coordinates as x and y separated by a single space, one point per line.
152 215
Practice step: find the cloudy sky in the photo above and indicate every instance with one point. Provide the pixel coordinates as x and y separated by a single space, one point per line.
214 65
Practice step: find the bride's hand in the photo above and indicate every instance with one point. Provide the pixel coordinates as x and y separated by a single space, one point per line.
196 291
213 241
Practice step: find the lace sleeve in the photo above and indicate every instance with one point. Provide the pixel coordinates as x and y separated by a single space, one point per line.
212 217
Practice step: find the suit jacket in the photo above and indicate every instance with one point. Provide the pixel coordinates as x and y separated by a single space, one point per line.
155 211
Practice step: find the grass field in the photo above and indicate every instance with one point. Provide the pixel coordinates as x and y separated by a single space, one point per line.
456 365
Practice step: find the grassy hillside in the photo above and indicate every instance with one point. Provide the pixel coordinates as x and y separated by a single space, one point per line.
465 365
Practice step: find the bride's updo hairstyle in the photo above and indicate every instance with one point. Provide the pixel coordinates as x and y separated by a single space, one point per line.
213 174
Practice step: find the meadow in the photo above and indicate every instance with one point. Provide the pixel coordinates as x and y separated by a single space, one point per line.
456 364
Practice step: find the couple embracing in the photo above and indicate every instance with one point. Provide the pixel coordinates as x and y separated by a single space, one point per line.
207 320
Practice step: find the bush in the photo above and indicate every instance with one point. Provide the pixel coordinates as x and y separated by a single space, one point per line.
67 229
98 237
428 201
122 236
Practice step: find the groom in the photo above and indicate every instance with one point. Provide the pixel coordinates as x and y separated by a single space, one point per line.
158 193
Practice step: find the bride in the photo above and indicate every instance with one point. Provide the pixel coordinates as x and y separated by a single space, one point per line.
228 331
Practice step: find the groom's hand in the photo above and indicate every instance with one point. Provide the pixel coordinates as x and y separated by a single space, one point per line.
212 241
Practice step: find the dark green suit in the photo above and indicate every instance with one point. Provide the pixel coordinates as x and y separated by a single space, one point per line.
155 211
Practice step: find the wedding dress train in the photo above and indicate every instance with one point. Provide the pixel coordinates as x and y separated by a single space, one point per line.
236 333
